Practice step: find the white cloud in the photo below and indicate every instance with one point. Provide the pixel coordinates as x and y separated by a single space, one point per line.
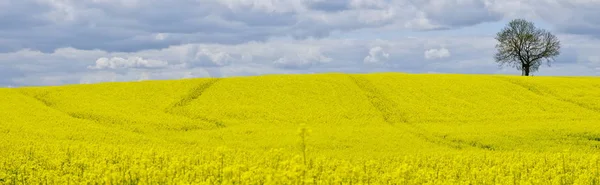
124 63
264 5
161 36
421 23
594 59
188 74
368 3
469 54
295 62
118 25
304 58
63 11
437 53
197 55
144 76
123 3
376 55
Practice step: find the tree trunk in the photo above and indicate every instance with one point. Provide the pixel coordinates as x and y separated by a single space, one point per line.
525 69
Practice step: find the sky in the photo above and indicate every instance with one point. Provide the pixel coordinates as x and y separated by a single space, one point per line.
56 42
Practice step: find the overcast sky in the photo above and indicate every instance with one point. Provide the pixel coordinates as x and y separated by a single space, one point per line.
53 42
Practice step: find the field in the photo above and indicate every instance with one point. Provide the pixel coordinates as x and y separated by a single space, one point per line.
383 128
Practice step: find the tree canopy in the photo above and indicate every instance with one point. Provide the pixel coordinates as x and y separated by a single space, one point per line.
525 47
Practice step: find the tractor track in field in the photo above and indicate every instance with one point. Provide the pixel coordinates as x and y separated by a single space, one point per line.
98 118
393 115
192 95
592 137
81 116
443 140
388 109
540 92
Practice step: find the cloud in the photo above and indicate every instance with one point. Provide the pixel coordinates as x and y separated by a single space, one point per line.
376 55
144 76
472 12
197 56
161 36
421 22
46 42
469 54
431 54
594 62
568 55
188 75
569 70
328 5
573 17
304 59
124 63
119 25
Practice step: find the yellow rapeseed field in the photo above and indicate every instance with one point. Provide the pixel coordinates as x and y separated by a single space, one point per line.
383 128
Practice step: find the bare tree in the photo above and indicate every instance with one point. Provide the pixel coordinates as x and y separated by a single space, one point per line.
525 47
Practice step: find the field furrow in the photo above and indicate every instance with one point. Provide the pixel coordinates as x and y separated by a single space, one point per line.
384 128
194 94
390 111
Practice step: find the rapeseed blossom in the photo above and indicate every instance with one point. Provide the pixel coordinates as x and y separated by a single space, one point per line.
385 128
